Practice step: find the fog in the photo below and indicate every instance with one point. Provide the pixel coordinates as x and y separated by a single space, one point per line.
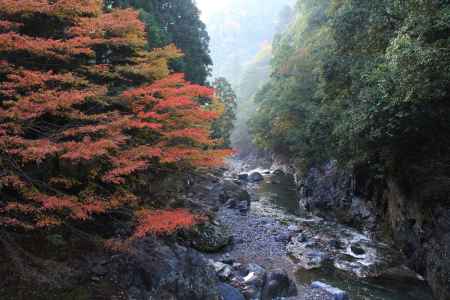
241 35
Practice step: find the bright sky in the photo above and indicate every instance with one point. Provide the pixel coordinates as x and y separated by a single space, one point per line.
208 7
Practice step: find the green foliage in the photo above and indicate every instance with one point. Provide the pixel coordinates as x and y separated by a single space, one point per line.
177 22
237 32
223 127
359 81
256 74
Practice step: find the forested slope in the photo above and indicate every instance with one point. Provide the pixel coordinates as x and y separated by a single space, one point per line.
93 117
177 22
366 84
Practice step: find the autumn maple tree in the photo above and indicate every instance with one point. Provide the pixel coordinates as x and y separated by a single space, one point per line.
84 107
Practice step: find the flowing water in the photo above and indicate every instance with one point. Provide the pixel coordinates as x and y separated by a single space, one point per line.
398 283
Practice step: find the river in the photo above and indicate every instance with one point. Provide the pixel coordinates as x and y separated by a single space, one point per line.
276 233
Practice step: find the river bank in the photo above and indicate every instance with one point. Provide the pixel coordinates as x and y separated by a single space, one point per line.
275 234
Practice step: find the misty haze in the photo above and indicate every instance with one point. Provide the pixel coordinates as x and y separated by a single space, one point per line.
224 150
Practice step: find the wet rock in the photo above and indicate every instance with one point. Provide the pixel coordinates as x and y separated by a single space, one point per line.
336 293
357 249
222 270
255 177
306 255
254 282
278 172
352 265
227 292
208 237
225 274
243 176
278 285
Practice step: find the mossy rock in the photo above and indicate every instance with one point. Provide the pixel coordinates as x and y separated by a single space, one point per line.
209 237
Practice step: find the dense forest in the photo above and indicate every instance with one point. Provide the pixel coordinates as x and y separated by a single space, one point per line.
361 92
262 150
365 84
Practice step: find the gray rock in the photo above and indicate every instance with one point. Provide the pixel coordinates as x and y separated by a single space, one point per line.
222 270
278 285
243 176
225 274
208 237
306 257
357 249
158 270
278 172
254 282
335 292
255 177
232 191
227 292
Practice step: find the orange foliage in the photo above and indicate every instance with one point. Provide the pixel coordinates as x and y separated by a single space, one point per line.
163 221
77 139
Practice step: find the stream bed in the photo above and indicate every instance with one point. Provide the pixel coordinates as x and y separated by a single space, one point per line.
276 234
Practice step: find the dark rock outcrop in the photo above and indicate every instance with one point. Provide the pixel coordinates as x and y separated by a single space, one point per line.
157 270
417 221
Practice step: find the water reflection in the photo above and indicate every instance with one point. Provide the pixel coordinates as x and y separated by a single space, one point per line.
400 284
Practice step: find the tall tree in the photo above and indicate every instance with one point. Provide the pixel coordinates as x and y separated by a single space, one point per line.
223 127
84 108
177 22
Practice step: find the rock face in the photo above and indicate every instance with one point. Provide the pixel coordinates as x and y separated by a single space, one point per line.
329 192
164 271
417 221
327 243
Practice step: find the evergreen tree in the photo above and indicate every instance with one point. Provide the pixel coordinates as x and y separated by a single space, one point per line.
223 127
177 22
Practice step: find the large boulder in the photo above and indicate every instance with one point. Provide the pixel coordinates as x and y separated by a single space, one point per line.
232 191
208 237
278 285
163 270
